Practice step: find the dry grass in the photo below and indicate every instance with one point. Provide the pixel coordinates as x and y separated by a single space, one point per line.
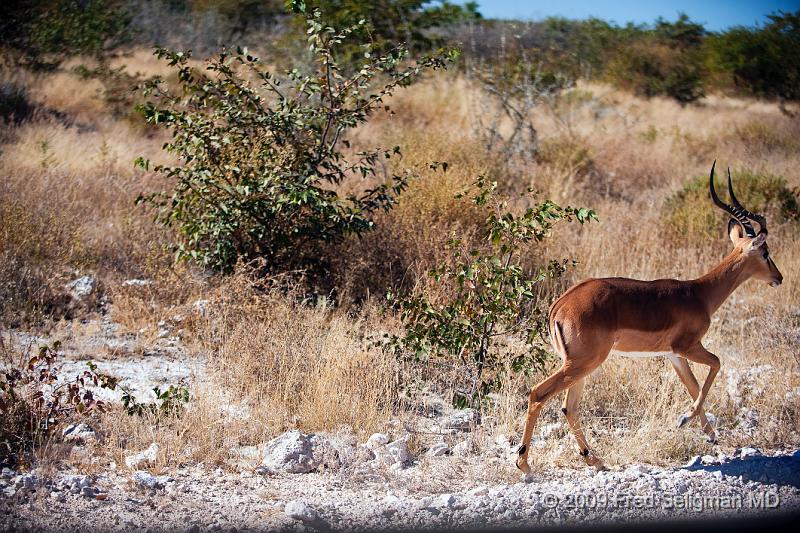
66 204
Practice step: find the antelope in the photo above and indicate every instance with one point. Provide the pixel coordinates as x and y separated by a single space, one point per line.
664 317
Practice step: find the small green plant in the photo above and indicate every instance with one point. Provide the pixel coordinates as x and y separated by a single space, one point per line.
169 402
493 303
260 158
689 211
35 401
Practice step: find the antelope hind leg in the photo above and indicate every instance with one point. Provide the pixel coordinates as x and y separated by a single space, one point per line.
570 409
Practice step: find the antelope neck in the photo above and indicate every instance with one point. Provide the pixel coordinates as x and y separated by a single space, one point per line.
722 280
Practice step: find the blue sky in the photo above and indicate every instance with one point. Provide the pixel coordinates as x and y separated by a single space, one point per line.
714 14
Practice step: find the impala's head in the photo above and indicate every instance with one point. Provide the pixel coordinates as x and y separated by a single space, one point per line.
751 244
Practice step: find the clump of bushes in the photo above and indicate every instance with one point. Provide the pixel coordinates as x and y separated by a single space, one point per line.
760 61
666 61
690 212
261 158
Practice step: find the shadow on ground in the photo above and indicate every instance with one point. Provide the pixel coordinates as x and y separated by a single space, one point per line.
778 470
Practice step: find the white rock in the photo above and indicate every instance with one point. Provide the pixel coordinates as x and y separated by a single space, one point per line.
7 473
146 479
749 452
462 420
137 282
76 482
438 450
391 499
143 458
446 500
300 511
376 440
462 449
81 287
200 307
637 470
291 452
478 491
398 450
79 433
708 459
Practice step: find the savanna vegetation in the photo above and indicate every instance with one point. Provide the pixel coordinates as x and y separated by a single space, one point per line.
375 205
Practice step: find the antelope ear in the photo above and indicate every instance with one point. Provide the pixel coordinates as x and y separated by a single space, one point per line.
735 231
757 242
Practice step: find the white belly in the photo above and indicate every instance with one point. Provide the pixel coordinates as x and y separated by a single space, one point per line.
640 354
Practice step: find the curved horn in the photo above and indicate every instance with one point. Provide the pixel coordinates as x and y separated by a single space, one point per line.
738 216
762 221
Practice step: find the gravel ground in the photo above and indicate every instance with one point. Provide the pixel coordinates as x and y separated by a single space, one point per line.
746 485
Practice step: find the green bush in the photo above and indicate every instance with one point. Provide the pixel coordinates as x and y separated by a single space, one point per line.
47 31
689 212
493 304
760 61
388 22
664 61
260 157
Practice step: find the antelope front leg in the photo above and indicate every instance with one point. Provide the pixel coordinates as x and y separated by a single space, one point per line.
699 354
681 367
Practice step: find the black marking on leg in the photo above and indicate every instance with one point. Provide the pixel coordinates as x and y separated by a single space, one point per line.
564 410
522 449
585 452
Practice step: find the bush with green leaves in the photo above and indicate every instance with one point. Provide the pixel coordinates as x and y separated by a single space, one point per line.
388 22
666 61
689 211
492 305
169 402
260 157
47 31
760 61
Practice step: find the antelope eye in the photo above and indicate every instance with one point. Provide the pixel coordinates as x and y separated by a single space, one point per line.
766 254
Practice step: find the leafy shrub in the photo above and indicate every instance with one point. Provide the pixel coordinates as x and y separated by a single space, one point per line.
493 304
665 61
34 404
169 402
46 31
388 22
761 61
690 212
260 156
